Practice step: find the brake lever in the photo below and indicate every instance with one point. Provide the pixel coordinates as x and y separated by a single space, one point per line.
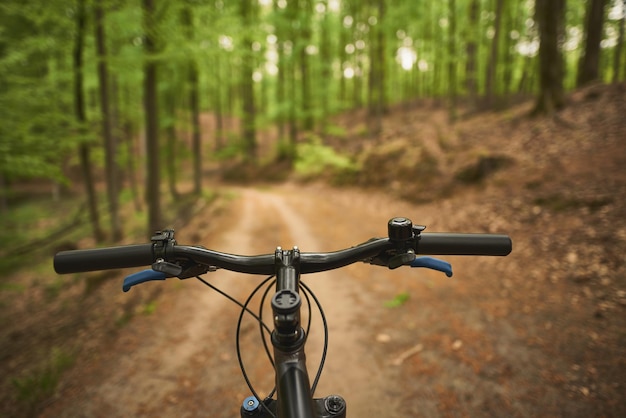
162 270
142 277
433 264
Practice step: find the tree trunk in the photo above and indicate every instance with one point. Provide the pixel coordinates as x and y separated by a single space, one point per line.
509 57
549 14
376 80
617 59
170 141
589 63
153 178
247 84
219 106
282 24
490 79
452 60
293 117
194 103
305 10
4 190
326 74
343 55
79 107
471 49
131 150
109 140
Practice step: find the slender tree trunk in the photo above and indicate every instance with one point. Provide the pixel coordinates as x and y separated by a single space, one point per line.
617 59
4 190
343 59
194 103
248 119
376 80
293 99
325 72
109 139
471 49
508 56
219 105
490 80
589 63
549 14
153 178
452 60
305 11
130 164
170 141
79 106
285 151
280 88
292 75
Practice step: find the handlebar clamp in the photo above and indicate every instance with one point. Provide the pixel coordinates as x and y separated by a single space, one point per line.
161 242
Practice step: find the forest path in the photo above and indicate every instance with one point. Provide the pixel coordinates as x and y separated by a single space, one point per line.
478 345
181 361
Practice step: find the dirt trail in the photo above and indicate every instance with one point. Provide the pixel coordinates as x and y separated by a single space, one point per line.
489 343
180 361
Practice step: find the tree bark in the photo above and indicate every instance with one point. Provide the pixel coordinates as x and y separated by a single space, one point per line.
194 103
79 108
170 141
153 178
452 61
549 15
490 79
617 59
471 49
109 140
304 38
589 63
247 85
376 80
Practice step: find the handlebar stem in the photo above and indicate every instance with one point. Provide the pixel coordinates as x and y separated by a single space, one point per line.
288 338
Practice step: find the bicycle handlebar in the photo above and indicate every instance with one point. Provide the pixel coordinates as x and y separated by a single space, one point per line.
294 393
77 261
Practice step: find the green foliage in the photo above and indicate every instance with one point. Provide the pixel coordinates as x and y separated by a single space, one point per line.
42 382
234 148
35 105
314 159
336 131
12 287
399 300
308 60
149 308
53 288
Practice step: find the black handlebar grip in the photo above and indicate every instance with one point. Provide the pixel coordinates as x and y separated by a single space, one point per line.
464 244
124 256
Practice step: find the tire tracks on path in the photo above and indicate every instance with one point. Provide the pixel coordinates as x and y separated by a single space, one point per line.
181 360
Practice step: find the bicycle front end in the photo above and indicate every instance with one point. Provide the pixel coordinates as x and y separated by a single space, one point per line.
294 393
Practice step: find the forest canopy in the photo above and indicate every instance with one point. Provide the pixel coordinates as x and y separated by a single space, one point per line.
120 80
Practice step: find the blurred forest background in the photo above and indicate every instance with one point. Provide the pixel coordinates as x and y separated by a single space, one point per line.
119 118
132 96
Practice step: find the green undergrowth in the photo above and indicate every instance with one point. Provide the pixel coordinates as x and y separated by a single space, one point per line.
41 382
398 300
315 160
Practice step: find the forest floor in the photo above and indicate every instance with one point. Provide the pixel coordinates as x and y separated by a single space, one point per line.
541 332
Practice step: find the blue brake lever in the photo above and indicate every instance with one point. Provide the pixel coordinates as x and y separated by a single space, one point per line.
142 277
433 264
